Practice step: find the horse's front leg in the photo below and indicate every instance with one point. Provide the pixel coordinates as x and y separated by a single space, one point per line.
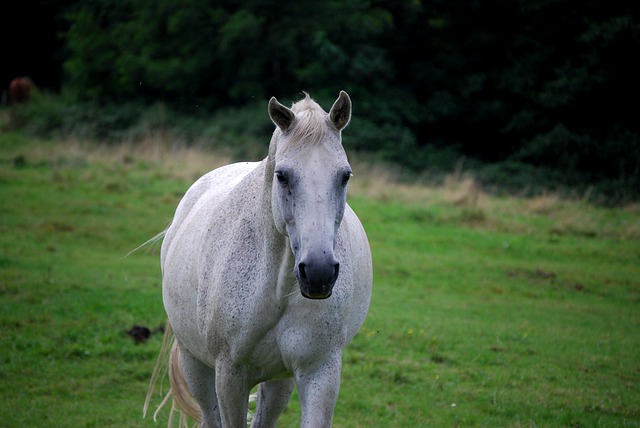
273 397
318 392
233 390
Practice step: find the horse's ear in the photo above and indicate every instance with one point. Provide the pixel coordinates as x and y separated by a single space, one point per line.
282 116
340 113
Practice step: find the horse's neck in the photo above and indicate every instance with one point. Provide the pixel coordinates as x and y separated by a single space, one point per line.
262 182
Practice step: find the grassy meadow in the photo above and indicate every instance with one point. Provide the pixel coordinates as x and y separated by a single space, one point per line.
487 311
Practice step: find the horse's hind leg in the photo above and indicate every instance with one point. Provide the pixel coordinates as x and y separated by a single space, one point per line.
201 381
273 398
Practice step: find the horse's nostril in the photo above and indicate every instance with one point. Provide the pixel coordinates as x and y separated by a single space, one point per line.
302 272
336 271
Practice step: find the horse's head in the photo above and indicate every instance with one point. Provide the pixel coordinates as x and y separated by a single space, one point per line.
309 188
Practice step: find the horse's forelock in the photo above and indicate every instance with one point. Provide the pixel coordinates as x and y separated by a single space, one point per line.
311 121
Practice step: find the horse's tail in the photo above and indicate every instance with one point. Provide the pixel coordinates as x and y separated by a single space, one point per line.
182 400
149 241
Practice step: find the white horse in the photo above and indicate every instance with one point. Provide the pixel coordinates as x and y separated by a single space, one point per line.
267 276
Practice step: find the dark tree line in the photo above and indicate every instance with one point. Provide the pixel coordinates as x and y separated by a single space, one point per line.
546 84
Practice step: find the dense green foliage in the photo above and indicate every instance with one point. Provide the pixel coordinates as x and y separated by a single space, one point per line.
503 313
542 86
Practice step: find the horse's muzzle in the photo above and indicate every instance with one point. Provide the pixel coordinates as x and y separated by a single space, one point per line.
317 279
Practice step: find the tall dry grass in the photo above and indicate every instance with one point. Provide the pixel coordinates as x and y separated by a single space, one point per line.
459 197
175 159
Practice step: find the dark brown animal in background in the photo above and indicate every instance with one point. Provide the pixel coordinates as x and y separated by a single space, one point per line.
20 89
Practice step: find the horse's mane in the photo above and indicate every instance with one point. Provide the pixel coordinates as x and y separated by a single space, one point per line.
311 121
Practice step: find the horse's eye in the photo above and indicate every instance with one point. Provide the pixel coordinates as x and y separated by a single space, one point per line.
345 177
282 178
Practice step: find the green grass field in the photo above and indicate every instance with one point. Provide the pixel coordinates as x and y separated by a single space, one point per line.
487 311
